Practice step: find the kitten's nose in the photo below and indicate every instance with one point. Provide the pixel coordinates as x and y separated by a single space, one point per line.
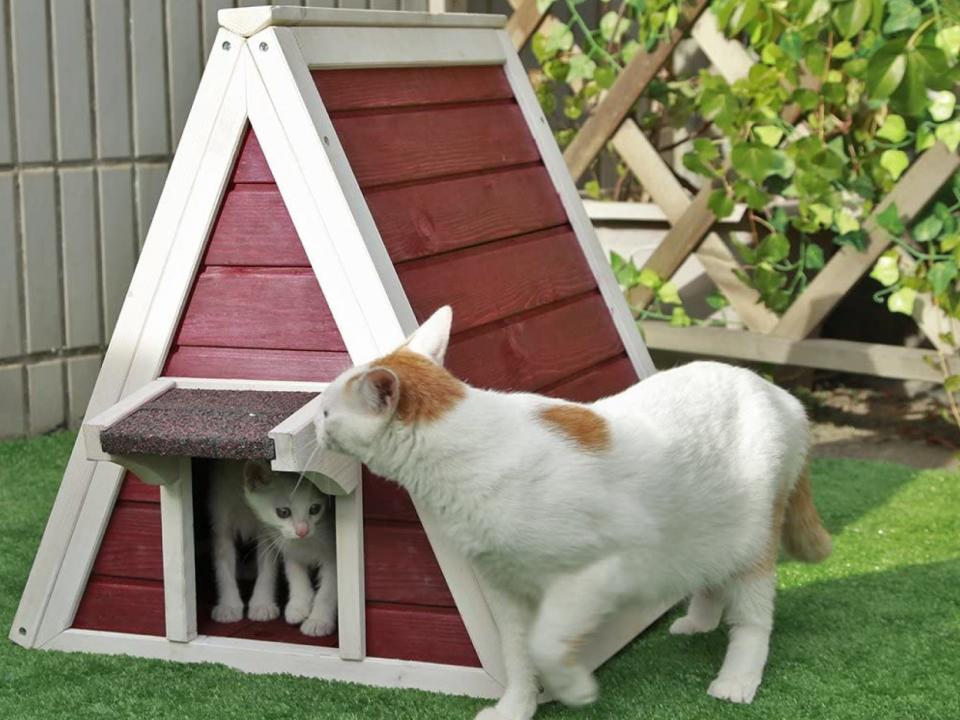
301 529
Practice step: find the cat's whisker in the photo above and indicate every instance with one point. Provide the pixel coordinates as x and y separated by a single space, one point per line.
316 449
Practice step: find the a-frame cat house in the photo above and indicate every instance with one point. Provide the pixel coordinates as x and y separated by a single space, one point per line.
341 175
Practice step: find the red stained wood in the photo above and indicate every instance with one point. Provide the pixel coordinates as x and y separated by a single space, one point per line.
425 219
134 489
494 281
415 633
126 606
274 631
536 349
254 228
394 87
251 165
405 146
270 308
386 500
401 567
608 378
132 546
255 364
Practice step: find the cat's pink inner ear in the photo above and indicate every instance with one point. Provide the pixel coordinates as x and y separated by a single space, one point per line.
254 474
379 389
433 336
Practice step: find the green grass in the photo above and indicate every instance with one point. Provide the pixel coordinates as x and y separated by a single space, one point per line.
874 632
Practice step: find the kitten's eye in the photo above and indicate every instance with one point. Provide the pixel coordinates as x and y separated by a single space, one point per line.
283 513
315 509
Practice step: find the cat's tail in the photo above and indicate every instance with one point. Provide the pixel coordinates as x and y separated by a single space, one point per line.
803 534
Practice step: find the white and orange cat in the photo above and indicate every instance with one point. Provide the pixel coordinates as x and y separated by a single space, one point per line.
683 484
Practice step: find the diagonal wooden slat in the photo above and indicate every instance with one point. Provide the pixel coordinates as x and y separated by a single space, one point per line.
524 21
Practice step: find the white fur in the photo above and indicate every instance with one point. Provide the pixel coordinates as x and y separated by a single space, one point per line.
680 504
243 505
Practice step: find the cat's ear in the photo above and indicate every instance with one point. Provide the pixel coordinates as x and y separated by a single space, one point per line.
379 389
255 474
432 337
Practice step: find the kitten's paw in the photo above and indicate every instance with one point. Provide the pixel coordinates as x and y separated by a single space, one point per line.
295 613
737 689
317 627
690 626
224 613
578 689
262 612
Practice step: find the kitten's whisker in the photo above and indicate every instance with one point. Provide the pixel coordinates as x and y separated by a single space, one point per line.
307 464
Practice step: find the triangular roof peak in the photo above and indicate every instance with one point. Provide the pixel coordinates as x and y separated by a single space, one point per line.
249 21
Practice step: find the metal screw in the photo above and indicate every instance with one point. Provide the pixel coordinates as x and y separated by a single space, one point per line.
264 47
326 140
22 631
226 45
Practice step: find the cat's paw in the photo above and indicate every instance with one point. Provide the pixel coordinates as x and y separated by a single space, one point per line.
262 612
736 689
295 613
224 613
317 627
690 626
578 689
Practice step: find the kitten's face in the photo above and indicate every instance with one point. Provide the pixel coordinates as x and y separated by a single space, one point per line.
279 503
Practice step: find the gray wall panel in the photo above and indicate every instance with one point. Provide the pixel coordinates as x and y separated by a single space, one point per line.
41 278
150 132
110 77
81 297
117 238
31 80
71 72
11 322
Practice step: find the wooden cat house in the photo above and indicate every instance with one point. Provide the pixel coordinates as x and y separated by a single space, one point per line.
341 174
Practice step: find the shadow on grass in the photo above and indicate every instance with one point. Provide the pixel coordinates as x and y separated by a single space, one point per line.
845 491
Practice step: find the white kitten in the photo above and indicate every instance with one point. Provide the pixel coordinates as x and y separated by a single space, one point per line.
681 484
249 501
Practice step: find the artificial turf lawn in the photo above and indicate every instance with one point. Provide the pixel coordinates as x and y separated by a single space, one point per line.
874 632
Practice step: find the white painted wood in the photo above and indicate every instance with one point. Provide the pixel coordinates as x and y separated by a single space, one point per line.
183 53
41 277
81 292
351 596
395 46
437 6
71 73
31 80
256 656
150 178
146 324
237 384
11 322
249 21
150 133
45 387
110 78
179 572
81 377
208 17
603 211
130 403
6 116
556 167
117 238
13 421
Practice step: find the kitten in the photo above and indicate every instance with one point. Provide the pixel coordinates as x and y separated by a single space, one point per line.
249 501
684 483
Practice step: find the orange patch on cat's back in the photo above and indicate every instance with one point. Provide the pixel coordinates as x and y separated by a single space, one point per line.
427 391
580 424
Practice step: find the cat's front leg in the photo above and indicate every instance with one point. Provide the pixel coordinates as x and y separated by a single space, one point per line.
263 601
229 607
323 615
301 591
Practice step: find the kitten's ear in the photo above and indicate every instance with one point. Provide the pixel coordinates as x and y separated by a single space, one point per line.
432 337
255 474
379 389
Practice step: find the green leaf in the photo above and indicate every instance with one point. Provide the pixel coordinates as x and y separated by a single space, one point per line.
613 26
630 49
940 104
720 203
822 214
842 50
890 220
818 9
926 69
770 135
745 11
650 278
605 77
951 383
813 257
885 72
705 149
717 300
679 318
950 242
592 189
949 134
894 162
925 138
851 16
668 293
948 40
559 39
581 68
857 240
942 275
893 129
902 301
746 253
846 222
758 162
901 15
886 270
774 248
927 229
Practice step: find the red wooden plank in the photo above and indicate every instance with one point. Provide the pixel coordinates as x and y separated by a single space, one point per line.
425 219
354 89
537 348
273 631
251 165
254 228
127 606
254 364
608 378
132 544
415 633
386 500
270 308
497 280
400 567
136 490
405 146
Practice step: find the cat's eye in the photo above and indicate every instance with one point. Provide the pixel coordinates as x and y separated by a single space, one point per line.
283 513
315 509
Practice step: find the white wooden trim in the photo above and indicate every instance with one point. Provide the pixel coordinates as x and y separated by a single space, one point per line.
257 385
179 571
135 355
394 47
351 596
256 656
642 212
572 204
249 21
152 469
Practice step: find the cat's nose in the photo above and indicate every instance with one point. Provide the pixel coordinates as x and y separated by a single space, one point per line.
301 529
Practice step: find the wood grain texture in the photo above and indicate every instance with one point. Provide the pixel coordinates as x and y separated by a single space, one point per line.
255 229
255 364
602 380
251 164
269 308
134 489
425 219
400 566
356 89
413 633
535 349
386 500
131 545
126 606
496 280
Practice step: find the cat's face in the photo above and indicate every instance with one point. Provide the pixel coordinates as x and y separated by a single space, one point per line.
357 407
279 502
